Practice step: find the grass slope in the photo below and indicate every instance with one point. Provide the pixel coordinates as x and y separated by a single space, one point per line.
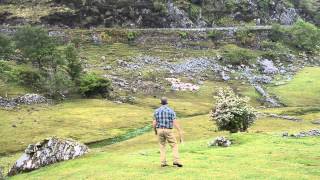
83 120
264 156
303 90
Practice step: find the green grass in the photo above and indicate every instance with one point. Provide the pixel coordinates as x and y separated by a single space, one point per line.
83 120
11 90
264 153
303 90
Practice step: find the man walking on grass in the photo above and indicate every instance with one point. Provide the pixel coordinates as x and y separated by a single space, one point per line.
163 123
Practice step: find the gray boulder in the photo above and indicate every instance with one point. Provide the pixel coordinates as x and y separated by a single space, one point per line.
220 141
48 151
268 67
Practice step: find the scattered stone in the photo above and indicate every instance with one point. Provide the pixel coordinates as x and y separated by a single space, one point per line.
290 118
103 58
262 79
106 68
31 99
49 151
268 67
269 101
316 121
220 141
7 103
224 76
177 85
314 132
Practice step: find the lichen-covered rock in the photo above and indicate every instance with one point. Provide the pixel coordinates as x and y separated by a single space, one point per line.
49 151
220 141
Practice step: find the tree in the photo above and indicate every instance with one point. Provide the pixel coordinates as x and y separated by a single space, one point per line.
232 113
36 45
91 85
73 63
5 46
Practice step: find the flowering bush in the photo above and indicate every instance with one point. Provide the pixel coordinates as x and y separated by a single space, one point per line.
232 113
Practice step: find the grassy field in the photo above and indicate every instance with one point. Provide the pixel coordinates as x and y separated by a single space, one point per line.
266 155
83 120
303 90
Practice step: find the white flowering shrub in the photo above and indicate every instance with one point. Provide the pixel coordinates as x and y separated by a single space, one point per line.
232 113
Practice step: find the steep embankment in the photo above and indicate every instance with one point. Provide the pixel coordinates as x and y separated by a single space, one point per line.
156 13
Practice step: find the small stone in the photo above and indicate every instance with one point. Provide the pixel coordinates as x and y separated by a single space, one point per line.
316 121
13 125
220 141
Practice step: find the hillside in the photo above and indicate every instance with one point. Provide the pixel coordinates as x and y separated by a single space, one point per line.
94 71
157 13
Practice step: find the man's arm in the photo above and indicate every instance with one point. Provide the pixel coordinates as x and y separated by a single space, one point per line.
177 126
154 125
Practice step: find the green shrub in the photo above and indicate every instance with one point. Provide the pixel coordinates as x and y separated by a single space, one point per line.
5 46
273 50
131 35
91 85
245 36
302 36
214 34
232 113
194 12
73 63
36 45
232 54
183 35
160 7
26 76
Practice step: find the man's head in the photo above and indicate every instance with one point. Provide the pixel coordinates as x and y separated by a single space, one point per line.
164 101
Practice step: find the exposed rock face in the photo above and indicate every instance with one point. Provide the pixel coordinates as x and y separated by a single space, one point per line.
178 17
220 141
288 17
47 152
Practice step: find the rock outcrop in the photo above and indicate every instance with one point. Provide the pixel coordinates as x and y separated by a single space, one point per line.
49 151
220 141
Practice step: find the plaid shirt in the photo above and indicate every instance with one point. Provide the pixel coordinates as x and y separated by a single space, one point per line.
164 117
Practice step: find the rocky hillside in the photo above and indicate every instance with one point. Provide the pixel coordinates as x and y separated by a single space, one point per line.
156 13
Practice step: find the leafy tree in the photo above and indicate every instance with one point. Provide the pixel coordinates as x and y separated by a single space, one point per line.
91 85
302 36
232 113
73 63
5 46
36 45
